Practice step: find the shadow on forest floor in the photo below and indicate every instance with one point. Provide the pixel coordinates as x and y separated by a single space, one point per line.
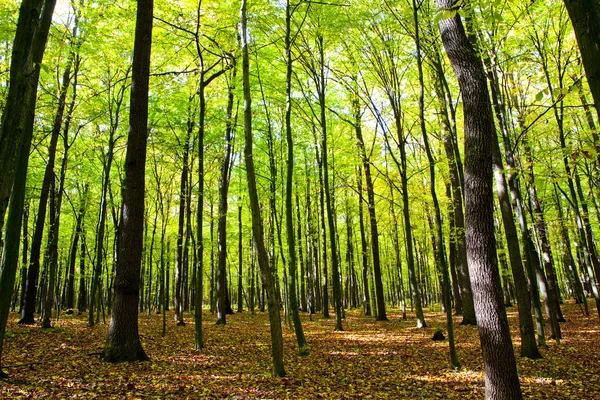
369 359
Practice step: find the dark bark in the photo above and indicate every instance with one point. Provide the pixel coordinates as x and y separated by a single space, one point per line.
289 219
528 344
181 222
240 288
569 262
70 292
585 16
457 232
439 237
15 139
123 341
223 305
36 244
381 314
24 257
364 249
501 379
27 52
387 70
303 267
337 292
257 226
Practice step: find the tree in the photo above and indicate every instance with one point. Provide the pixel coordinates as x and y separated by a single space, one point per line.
289 220
439 236
223 304
585 17
16 136
123 341
257 226
501 379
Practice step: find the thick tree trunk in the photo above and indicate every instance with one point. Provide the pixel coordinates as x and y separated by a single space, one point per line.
15 139
17 118
585 16
457 232
501 379
123 341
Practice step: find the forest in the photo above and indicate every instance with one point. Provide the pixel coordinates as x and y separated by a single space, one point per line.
300 199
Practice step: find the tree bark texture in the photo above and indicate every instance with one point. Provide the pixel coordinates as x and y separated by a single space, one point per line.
585 16
501 379
123 341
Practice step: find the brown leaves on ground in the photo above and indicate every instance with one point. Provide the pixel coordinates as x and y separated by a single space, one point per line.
370 359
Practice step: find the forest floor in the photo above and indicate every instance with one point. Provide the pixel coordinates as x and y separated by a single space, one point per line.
370 359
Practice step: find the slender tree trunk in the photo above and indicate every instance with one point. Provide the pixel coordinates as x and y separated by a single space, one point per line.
542 232
289 207
36 244
240 288
24 257
303 267
181 232
337 293
123 341
569 262
501 379
528 344
222 303
364 249
454 363
381 314
257 227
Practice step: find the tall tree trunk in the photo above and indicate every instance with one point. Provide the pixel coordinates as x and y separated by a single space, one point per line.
441 256
569 262
542 233
77 237
337 292
303 267
240 288
257 226
529 347
123 341
501 379
381 314
24 257
457 232
289 206
181 222
16 137
36 244
222 295
33 26
364 249
585 16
